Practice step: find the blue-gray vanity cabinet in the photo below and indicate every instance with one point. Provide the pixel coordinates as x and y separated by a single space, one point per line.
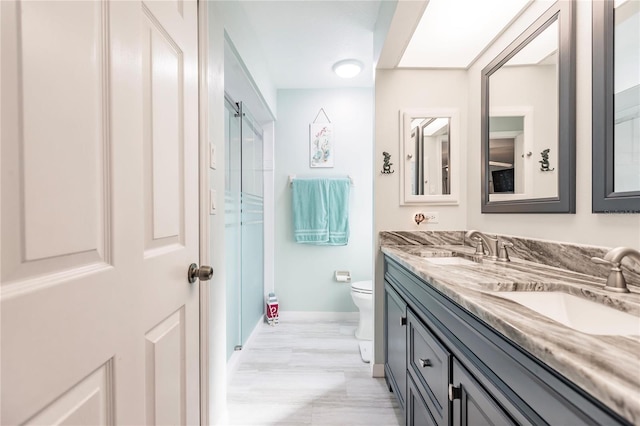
395 338
490 376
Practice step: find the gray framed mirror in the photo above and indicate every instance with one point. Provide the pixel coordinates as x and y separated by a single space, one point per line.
528 119
616 107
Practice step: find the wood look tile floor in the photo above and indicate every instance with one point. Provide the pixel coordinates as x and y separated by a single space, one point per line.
308 373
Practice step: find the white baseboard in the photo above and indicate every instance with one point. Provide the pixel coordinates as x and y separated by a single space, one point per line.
377 370
318 316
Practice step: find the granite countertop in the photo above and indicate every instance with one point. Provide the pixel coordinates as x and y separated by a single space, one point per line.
606 366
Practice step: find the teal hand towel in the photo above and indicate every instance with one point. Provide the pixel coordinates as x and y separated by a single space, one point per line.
310 212
321 211
338 212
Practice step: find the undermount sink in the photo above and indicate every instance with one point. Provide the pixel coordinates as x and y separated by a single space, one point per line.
450 260
577 313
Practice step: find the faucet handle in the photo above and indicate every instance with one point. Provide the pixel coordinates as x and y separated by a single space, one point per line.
601 261
479 245
615 280
503 254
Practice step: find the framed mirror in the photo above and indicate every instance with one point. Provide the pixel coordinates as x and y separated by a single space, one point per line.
528 119
616 106
429 147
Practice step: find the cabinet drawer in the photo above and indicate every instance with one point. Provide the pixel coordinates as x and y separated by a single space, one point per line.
429 363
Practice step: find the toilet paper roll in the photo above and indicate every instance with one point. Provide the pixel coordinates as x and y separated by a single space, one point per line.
343 276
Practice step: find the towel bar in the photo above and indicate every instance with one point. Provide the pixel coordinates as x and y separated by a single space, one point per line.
292 177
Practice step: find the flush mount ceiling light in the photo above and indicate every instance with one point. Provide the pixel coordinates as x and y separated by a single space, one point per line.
348 68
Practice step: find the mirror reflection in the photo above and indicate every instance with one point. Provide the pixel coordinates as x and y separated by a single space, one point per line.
428 155
626 87
523 122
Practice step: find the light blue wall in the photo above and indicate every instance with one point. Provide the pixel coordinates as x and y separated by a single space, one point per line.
304 274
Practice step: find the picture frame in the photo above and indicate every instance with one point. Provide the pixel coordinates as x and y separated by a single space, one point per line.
321 153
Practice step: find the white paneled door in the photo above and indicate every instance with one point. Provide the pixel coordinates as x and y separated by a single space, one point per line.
99 212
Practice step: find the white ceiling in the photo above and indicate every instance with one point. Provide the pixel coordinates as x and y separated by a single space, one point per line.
301 40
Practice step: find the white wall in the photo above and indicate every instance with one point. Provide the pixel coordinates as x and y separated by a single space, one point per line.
407 89
608 230
304 274
247 45
217 310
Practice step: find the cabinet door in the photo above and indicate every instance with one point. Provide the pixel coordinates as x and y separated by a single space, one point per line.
417 412
396 343
472 404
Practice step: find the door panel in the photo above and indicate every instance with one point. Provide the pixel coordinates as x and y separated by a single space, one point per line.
90 402
56 213
97 316
163 139
70 196
166 371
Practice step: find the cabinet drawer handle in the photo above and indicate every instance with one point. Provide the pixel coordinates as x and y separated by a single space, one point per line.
425 363
403 320
454 392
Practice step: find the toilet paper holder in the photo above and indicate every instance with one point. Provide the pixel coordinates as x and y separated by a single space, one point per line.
343 276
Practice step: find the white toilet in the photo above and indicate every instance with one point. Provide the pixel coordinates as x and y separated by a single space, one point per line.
362 294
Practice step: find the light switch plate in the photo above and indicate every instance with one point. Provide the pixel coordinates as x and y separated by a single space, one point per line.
212 201
212 156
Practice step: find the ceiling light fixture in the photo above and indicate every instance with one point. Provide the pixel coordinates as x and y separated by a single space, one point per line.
347 68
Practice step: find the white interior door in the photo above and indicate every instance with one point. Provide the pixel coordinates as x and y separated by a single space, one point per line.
99 212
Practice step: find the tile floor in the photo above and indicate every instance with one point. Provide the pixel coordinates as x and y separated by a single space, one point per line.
308 373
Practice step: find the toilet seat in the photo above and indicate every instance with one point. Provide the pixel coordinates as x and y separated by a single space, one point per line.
363 287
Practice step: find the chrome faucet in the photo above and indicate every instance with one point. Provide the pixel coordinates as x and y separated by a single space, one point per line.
496 249
491 243
615 280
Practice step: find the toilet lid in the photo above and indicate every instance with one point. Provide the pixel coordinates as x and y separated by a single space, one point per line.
362 286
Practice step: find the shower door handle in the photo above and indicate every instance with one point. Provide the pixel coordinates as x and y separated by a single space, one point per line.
203 273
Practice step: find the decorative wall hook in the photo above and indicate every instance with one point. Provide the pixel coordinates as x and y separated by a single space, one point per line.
386 167
544 167
419 218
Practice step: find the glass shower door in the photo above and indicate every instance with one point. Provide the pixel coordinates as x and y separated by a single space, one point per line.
232 229
252 229
244 229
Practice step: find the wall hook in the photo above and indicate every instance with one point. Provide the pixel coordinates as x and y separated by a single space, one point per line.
544 167
386 167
